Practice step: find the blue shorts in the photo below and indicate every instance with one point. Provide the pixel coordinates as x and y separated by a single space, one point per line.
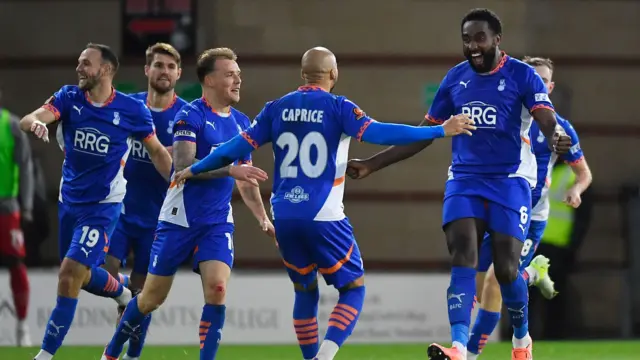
174 244
536 230
131 236
503 203
309 246
85 230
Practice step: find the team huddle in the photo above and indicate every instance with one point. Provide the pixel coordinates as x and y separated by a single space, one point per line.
153 174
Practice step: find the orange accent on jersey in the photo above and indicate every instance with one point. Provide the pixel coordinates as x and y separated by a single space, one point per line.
541 106
52 109
338 265
173 101
432 120
362 129
249 140
109 100
500 64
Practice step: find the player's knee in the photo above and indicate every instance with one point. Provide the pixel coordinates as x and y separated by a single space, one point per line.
70 280
215 292
149 301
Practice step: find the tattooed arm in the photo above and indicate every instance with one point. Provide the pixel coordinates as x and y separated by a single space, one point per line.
184 155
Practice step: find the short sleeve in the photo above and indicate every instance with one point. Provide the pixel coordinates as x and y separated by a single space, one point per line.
354 120
187 124
143 127
244 124
442 107
535 94
58 102
259 133
575 153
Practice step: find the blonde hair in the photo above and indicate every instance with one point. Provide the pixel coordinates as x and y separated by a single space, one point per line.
207 60
538 61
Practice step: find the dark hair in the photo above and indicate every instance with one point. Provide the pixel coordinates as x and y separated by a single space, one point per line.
538 61
486 15
207 60
107 54
164 49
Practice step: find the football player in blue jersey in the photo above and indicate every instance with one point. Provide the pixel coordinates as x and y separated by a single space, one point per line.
535 271
196 220
96 124
491 175
146 188
311 130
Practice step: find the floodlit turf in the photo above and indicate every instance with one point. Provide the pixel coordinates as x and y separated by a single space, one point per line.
614 350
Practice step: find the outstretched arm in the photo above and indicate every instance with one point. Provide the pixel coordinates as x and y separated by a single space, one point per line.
227 153
394 154
184 155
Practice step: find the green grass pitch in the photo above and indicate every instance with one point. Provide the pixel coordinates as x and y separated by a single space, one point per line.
618 350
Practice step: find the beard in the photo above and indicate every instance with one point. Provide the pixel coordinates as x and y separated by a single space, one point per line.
89 83
488 58
161 89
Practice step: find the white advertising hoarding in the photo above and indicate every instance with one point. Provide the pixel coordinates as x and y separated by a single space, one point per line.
399 308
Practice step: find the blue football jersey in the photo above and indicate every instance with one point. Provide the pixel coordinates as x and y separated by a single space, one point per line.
146 188
96 140
500 103
546 159
311 130
203 202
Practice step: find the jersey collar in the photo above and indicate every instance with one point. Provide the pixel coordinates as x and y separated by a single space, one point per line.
169 106
206 103
310 88
106 103
501 63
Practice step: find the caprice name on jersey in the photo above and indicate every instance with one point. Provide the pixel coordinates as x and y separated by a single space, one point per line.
302 115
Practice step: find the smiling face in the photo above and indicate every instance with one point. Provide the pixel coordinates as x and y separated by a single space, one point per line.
480 45
225 80
90 69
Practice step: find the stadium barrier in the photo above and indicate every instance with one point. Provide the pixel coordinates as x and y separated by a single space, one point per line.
399 308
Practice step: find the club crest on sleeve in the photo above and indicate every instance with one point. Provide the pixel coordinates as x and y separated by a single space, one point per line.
359 113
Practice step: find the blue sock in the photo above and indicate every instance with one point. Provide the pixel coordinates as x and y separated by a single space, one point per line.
124 279
103 284
345 315
305 321
460 300
211 325
486 322
516 298
136 344
130 326
59 323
